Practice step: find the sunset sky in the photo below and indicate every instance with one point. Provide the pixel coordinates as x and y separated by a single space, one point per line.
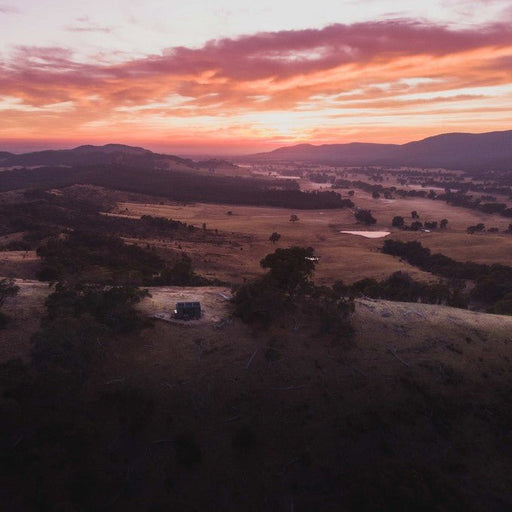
232 76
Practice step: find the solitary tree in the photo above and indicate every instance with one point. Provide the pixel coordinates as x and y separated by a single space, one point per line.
274 237
398 222
414 214
443 223
294 218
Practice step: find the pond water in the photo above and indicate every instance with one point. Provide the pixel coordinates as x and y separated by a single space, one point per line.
368 234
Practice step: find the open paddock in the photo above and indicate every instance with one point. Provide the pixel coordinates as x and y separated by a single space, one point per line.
342 256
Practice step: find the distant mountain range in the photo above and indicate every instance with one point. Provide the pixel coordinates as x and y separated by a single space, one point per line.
466 151
94 155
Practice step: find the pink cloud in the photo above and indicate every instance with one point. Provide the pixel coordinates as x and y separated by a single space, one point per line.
284 70
281 54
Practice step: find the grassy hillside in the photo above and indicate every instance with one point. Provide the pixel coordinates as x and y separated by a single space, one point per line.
412 413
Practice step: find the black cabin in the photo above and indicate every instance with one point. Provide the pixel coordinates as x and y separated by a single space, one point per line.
188 310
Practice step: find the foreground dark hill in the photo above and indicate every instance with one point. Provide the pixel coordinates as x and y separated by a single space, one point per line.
465 151
413 413
94 155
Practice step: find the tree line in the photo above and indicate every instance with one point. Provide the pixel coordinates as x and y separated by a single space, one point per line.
492 283
178 186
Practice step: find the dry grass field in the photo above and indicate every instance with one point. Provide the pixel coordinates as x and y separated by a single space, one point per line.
342 256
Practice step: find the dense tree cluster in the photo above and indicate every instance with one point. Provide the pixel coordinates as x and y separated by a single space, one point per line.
97 258
457 197
46 215
178 186
88 257
493 283
400 286
399 222
286 290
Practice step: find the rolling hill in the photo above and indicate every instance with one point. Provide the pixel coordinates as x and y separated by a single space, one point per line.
118 154
464 151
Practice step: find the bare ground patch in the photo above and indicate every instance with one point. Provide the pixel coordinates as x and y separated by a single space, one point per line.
214 302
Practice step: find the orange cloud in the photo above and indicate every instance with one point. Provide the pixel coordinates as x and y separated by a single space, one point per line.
269 86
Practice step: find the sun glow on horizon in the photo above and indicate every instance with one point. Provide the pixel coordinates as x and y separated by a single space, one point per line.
384 80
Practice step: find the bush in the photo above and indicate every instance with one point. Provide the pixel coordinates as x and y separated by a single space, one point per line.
398 221
365 216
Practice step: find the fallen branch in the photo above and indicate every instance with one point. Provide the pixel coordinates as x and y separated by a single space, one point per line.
356 369
233 418
393 352
115 381
288 388
250 359
352 367
411 312
18 441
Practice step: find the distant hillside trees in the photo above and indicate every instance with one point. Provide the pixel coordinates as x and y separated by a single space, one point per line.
178 186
